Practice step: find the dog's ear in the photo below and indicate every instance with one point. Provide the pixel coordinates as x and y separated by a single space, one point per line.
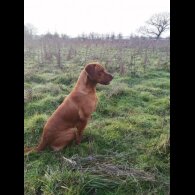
90 69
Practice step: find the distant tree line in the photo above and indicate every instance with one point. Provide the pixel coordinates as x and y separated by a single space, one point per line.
110 48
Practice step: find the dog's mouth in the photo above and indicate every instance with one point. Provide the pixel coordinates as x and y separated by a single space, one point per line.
105 82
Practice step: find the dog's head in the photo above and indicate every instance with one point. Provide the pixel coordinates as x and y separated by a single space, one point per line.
97 73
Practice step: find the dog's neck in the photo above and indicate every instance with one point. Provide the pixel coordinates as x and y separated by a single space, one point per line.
85 84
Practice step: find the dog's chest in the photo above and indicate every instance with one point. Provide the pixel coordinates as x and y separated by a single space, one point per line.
88 108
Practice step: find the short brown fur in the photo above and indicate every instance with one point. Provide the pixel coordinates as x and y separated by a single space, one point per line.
70 118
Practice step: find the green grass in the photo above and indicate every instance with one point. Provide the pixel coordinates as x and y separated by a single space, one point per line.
125 144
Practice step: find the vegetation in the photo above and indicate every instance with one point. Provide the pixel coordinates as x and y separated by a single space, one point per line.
156 25
125 148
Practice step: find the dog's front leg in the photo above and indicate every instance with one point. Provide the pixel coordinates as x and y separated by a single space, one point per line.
80 128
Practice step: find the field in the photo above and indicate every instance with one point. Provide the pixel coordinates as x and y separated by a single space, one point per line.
125 147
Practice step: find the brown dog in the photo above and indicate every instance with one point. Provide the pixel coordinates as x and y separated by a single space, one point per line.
70 119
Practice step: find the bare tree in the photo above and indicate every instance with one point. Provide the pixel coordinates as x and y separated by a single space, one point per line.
156 25
30 29
119 36
29 40
113 36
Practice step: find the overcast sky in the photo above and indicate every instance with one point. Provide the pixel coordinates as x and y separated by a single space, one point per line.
74 17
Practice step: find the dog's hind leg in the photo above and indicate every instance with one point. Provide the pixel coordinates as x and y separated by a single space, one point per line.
63 139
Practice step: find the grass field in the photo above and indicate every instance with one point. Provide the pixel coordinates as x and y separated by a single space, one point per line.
125 148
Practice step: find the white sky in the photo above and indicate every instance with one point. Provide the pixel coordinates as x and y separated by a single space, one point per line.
74 17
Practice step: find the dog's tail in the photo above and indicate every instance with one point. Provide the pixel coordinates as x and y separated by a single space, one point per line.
40 147
29 150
